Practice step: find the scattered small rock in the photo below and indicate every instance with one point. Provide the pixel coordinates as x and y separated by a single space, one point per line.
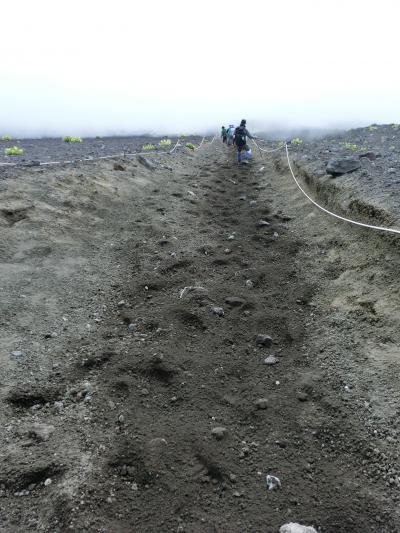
194 290
270 360
40 432
118 166
275 236
264 340
235 301
261 403
273 482
121 303
47 482
218 311
249 284
219 432
146 162
262 224
370 155
302 396
253 203
17 354
293 527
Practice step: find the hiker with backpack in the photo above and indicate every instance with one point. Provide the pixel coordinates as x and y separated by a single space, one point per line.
240 141
223 134
229 134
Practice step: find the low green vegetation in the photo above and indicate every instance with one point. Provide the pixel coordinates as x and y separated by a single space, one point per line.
392 148
349 146
69 139
165 142
297 141
190 146
148 147
395 126
6 138
13 150
372 127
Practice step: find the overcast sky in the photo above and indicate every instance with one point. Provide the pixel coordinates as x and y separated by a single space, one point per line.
96 67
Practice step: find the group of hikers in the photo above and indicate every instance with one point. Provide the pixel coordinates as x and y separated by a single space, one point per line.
238 137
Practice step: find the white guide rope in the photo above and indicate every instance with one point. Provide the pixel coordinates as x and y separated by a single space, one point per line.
378 228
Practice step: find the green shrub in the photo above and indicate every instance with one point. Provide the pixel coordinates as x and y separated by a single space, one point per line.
165 142
395 126
69 139
372 127
13 150
6 138
190 146
296 140
148 147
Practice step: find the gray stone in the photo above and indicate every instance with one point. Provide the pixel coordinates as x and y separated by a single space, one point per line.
302 396
261 403
273 482
146 162
342 165
118 166
264 340
17 353
262 224
40 432
270 360
219 432
249 284
235 301
218 311
370 155
293 527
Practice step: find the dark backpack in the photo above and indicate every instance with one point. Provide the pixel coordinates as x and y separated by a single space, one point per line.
240 136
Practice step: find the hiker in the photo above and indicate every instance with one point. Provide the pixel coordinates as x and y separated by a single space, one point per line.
223 134
240 141
229 134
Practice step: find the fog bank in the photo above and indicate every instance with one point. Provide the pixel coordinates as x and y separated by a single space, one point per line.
97 68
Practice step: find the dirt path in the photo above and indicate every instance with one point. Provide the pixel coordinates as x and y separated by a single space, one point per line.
119 376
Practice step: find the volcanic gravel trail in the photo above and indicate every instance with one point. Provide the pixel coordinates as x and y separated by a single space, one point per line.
142 390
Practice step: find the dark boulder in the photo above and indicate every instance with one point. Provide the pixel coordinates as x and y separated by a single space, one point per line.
370 155
342 165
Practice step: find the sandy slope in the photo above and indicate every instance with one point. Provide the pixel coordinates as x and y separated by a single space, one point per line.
115 402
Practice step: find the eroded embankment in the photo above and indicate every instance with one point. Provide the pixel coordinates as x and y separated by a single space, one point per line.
341 195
